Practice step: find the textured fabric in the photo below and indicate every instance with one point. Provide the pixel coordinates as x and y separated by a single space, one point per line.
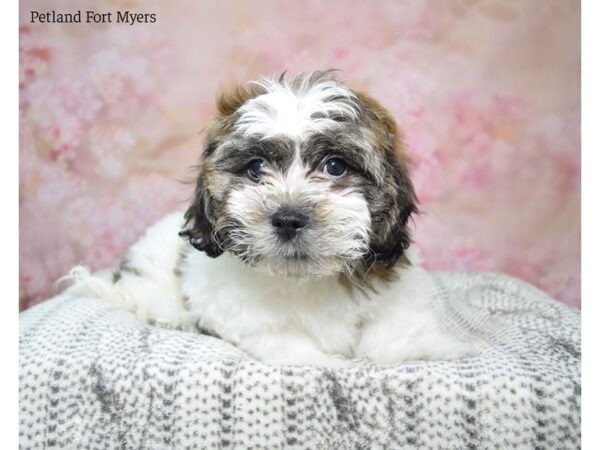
93 377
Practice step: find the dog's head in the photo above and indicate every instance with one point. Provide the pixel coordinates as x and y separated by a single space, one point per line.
304 178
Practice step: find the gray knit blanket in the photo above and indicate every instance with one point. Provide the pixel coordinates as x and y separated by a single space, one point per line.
92 377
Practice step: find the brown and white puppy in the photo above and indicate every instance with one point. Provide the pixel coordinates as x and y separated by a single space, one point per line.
296 245
326 158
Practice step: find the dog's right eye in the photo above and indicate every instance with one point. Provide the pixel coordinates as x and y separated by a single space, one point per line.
255 168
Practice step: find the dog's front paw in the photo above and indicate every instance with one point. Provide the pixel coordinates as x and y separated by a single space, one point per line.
290 347
441 347
177 323
405 350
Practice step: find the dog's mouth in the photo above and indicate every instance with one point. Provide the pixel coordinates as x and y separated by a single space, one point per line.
299 257
293 260
271 250
294 250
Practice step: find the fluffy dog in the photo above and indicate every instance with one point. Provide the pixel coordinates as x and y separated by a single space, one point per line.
296 247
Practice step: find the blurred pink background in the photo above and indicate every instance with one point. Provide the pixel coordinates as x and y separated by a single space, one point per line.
487 92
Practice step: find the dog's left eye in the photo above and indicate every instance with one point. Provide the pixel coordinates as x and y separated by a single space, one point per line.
335 167
255 168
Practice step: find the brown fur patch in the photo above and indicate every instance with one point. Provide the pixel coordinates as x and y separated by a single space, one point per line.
228 102
387 135
232 98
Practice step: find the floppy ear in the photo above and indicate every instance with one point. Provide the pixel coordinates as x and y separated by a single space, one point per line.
200 218
396 197
391 246
199 221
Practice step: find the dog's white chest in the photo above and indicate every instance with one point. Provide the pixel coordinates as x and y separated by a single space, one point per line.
237 301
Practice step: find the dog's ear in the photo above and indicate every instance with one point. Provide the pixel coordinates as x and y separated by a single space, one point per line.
396 199
393 236
200 220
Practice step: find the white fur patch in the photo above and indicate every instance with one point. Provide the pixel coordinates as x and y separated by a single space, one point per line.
276 319
295 112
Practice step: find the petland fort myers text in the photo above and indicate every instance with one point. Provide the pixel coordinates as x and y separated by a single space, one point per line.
128 17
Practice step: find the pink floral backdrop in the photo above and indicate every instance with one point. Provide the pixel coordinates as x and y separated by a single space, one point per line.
487 92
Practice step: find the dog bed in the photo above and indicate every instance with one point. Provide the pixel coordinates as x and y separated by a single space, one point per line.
91 376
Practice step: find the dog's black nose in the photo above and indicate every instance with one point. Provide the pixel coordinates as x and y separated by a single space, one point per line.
287 222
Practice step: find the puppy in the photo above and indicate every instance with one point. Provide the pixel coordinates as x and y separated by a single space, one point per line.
296 247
